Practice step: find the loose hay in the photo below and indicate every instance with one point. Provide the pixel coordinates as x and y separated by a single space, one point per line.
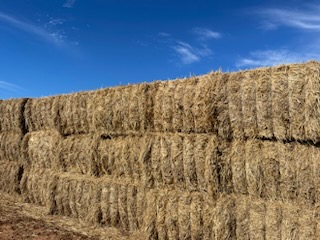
39 114
10 146
11 117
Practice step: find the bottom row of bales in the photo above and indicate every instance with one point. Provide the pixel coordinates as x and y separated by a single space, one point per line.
271 170
166 213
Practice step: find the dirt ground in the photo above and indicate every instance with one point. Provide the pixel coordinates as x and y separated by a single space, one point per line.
15 226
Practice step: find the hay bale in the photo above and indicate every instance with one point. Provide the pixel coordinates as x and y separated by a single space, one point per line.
38 187
41 150
314 157
290 222
201 143
312 103
161 206
39 114
235 93
137 104
172 217
288 175
10 146
224 219
189 165
178 106
11 117
307 224
273 221
224 170
184 216
149 91
74 114
249 104
166 160
154 164
270 170
221 111
257 220
196 216
10 177
238 166
297 80
280 102
150 217
188 102
264 103
145 158
242 215
304 173
78 154
79 197
204 104
177 160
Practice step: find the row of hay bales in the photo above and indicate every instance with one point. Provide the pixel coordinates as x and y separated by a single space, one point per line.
281 102
209 157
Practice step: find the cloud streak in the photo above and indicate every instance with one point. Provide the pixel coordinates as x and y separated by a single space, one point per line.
206 34
273 57
69 3
307 19
9 86
30 28
189 54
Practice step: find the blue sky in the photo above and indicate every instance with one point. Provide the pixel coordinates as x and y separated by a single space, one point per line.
63 46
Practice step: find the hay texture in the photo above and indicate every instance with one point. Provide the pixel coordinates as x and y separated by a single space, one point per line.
41 150
78 154
11 174
122 109
74 113
10 146
11 117
39 114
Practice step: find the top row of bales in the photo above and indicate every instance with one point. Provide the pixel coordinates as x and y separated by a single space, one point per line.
281 102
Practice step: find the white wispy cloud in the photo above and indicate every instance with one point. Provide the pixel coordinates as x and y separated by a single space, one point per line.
274 57
69 3
206 34
306 18
40 32
164 34
189 54
9 86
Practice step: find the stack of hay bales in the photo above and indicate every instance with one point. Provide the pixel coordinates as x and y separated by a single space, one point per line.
220 156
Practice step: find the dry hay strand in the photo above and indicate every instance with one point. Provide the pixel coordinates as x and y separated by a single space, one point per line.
270 170
257 220
242 210
235 92
204 104
119 109
307 224
38 187
166 160
273 221
306 189
39 114
149 92
41 150
249 104
290 222
159 107
264 103
119 157
224 219
189 165
312 103
280 102
177 160
73 113
254 172
297 77
288 175
10 146
224 169
77 196
188 103
10 177
145 159
154 164
201 145
238 166
78 154
178 106
221 111
11 117
174 214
